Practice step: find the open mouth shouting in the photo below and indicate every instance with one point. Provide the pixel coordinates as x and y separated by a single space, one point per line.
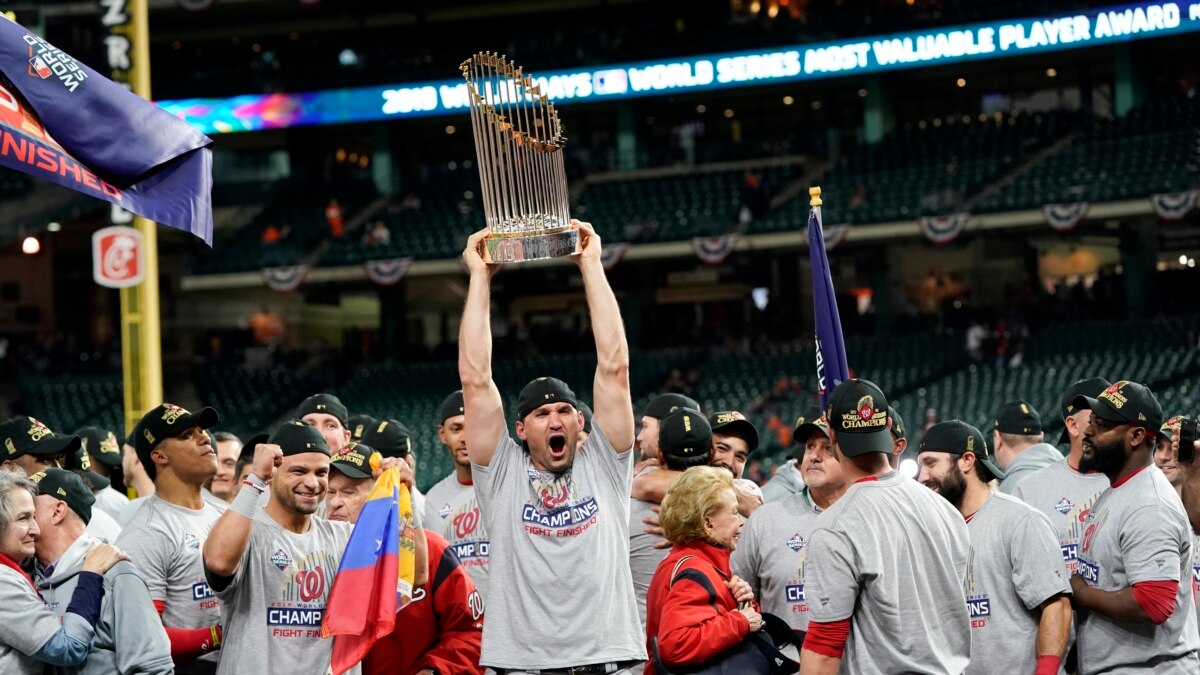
558 446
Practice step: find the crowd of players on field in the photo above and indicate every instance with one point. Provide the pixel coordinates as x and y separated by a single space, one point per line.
595 551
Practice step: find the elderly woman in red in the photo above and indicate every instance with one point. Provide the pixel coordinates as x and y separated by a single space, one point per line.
696 610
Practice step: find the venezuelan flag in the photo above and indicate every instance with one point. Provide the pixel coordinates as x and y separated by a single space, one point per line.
375 577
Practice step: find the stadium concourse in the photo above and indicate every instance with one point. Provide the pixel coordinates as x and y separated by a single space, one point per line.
622 461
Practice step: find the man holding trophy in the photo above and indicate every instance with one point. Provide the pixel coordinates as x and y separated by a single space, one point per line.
555 514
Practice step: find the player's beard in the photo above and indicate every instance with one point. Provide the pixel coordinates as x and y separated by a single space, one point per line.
952 486
1106 459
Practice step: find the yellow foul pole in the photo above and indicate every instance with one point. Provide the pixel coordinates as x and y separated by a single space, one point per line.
141 345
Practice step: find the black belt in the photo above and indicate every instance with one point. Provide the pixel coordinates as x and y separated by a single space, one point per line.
591 669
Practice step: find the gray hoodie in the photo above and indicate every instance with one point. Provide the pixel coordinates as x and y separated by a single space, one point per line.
129 635
1031 459
786 481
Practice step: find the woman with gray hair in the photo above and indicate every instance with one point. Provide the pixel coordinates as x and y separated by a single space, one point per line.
31 635
697 612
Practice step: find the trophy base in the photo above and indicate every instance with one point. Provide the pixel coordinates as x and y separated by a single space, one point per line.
531 247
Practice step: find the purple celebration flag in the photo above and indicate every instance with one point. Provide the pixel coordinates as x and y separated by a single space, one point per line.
63 122
832 367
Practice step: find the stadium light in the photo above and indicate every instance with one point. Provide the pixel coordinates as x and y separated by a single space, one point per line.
909 468
31 245
54 227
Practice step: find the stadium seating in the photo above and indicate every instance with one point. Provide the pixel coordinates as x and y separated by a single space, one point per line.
65 404
251 401
300 208
1153 149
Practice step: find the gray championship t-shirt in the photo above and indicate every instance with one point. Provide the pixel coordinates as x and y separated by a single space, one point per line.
27 625
165 542
1029 462
452 511
1066 497
271 609
891 556
560 593
1138 531
1196 576
643 557
112 502
786 481
1013 567
771 556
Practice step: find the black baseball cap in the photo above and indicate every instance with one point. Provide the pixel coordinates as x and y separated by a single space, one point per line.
858 415
327 404
1170 426
166 421
1088 387
685 435
958 438
1017 417
28 436
65 486
453 406
81 464
101 444
390 438
296 438
540 392
587 417
359 424
664 404
734 423
1127 402
812 420
898 428
353 461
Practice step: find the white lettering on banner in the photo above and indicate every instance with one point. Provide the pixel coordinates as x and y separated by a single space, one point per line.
1194 12
558 87
114 13
400 101
758 67
1137 20
836 58
117 47
671 76
453 97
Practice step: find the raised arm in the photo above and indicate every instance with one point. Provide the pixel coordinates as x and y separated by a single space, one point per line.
482 406
230 535
611 399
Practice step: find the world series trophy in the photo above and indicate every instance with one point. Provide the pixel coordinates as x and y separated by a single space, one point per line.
519 144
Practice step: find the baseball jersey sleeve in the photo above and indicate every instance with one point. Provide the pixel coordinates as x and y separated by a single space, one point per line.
746 559
1038 571
490 480
831 576
617 468
459 609
150 552
1151 542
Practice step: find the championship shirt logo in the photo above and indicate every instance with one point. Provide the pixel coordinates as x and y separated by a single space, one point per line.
191 541
796 542
45 60
444 511
281 559
299 607
1064 506
1088 535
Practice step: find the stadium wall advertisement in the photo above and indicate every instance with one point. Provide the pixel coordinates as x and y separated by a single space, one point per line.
900 51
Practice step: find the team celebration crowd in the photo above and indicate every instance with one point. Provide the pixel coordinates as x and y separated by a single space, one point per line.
603 540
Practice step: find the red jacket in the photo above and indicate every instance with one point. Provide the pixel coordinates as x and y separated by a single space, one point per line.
696 618
441 629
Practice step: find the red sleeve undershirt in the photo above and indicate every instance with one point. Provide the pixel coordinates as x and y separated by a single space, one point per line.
1157 598
1048 665
827 639
188 643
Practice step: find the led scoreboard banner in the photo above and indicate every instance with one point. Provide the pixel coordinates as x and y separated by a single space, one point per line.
975 42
